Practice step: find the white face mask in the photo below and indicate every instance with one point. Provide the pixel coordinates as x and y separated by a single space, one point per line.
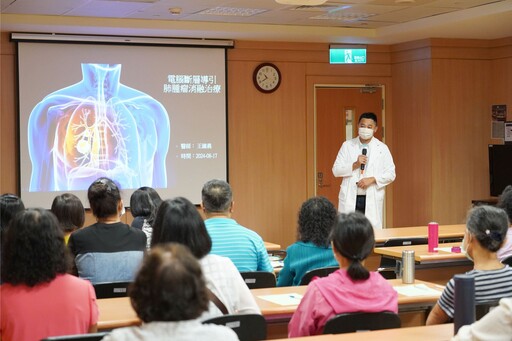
464 249
123 211
365 133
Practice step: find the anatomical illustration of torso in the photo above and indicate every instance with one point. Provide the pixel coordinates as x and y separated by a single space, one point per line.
98 127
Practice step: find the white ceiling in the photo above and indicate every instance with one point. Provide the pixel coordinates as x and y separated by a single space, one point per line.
355 21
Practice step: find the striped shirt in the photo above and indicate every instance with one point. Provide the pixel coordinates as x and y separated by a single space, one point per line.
490 285
244 247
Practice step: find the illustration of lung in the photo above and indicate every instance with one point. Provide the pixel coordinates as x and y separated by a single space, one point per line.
98 127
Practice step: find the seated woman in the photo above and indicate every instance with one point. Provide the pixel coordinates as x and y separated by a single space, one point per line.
496 325
486 228
178 221
352 288
38 298
168 295
313 250
143 204
70 212
505 202
109 250
10 204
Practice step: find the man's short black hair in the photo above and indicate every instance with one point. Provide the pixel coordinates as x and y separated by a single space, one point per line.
368 115
104 196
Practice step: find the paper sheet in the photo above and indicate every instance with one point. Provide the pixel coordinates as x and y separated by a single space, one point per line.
416 290
445 249
283 299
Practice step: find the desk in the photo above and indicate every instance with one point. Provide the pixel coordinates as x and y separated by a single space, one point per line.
276 312
272 246
422 256
118 312
437 267
445 232
441 332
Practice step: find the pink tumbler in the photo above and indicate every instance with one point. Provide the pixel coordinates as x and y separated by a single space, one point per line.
433 236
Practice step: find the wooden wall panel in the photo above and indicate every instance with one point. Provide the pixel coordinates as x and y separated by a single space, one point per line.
461 131
412 138
8 118
267 150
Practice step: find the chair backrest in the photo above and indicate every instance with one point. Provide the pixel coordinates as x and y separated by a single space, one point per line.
259 279
78 337
354 322
320 272
482 308
110 290
248 327
507 261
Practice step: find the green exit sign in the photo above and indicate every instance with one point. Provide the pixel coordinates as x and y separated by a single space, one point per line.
347 56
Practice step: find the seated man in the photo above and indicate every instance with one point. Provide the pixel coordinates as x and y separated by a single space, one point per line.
108 251
229 239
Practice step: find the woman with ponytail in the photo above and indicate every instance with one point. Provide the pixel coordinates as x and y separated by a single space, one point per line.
352 288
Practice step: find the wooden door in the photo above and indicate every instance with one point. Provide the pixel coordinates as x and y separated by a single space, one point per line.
335 107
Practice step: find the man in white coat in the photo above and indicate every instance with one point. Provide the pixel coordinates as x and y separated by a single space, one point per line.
367 167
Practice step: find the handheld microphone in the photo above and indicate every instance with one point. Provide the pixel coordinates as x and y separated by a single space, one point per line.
362 165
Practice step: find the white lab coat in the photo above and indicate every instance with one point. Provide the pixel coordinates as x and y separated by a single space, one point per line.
380 165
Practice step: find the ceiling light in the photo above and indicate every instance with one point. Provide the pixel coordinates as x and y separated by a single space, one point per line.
302 2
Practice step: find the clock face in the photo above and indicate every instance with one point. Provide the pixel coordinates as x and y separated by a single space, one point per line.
267 77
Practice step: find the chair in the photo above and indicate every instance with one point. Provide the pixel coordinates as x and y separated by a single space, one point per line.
248 327
482 308
110 290
78 337
320 272
259 279
387 267
507 261
354 322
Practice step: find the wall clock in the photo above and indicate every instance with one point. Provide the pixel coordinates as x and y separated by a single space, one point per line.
266 77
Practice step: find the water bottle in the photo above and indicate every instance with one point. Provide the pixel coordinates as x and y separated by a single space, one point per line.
433 237
408 266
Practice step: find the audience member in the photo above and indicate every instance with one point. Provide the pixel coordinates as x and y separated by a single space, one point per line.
179 221
10 204
229 239
486 228
495 326
143 204
352 288
70 212
169 295
505 202
39 299
109 250
313 250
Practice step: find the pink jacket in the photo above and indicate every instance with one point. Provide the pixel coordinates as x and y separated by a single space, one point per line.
337 294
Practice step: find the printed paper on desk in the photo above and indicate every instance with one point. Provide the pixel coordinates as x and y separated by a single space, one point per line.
445 249
283 299
416 290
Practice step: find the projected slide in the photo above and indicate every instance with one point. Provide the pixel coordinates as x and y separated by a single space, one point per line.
141 115
98 127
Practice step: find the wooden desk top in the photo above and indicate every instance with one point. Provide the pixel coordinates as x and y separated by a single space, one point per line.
421 254
440 332
445 231
118 312
272 246
269 309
